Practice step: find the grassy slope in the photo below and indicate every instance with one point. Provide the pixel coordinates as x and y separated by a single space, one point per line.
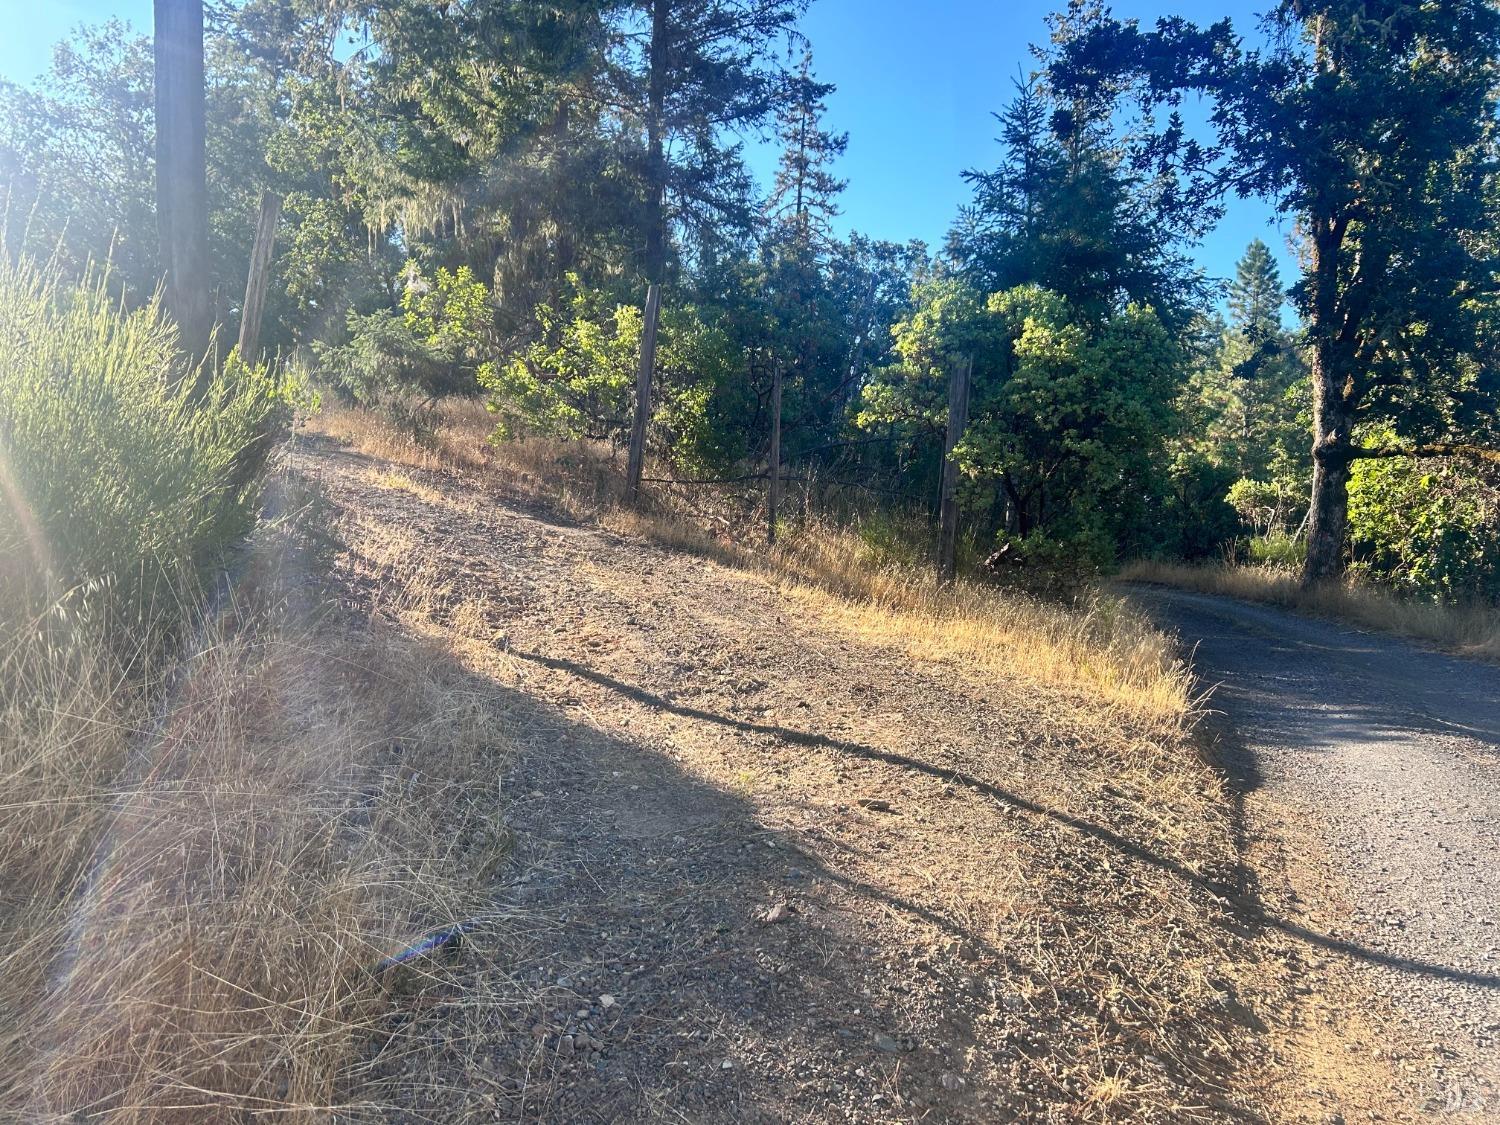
201 866
1100 647
1159 962
205 836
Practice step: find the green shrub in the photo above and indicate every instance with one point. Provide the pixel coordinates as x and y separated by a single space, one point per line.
112 476
892 540
434 346
578 380
1427 528
1279 549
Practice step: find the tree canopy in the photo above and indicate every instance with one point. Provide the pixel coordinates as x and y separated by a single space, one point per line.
478 195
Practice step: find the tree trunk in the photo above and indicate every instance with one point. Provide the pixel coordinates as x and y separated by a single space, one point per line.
656 242
1334 407
1333 446
181 171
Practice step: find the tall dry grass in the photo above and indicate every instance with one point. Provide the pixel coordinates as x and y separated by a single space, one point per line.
203 865
217 814
1471 630
1095 643
837 565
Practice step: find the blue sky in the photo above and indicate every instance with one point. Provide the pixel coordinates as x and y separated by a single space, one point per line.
917 84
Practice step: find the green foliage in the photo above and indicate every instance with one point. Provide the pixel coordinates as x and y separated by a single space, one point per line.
1241 455
1064 211
1255 294
579 381
1278 549
1267 508
1200 513
111 474
76 161
889 541
1375 125
1068 418
433 346
1427 528
804 194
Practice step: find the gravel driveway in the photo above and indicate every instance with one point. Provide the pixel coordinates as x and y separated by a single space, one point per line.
1391 754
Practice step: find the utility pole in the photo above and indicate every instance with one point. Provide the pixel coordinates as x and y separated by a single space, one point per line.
181 170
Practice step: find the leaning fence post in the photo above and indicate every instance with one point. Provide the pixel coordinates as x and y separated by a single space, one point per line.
260 276
773 458
958 418
642 395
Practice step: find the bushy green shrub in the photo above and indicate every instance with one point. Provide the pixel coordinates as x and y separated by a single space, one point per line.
432 347
891 540
111 474
1427 528
1068 415
578 380
1278 548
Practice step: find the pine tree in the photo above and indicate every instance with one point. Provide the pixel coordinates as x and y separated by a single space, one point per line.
804 195
799 244
689 75
1062 211
1255 294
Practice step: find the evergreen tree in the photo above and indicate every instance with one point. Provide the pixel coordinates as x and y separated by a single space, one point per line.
1255 294
806 329
804 195
1064 212
688 76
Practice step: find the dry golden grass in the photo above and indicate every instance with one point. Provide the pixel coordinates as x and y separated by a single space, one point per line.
1098 646
1472 630
200 870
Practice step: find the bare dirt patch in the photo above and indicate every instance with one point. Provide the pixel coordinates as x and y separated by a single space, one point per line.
772 864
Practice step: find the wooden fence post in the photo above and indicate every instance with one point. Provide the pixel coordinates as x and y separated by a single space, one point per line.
260 276
958 418
773 459
642 395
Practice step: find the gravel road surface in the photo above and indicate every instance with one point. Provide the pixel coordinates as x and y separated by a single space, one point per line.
1391 753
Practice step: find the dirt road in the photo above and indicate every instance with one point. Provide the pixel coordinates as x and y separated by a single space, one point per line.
1388 756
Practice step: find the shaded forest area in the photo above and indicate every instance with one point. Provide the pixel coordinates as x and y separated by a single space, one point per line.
477 198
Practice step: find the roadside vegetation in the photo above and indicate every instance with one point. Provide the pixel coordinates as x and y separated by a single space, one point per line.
875 564
210 833
1468 628
978 782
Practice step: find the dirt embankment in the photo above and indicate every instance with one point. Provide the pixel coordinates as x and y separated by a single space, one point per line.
772 863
